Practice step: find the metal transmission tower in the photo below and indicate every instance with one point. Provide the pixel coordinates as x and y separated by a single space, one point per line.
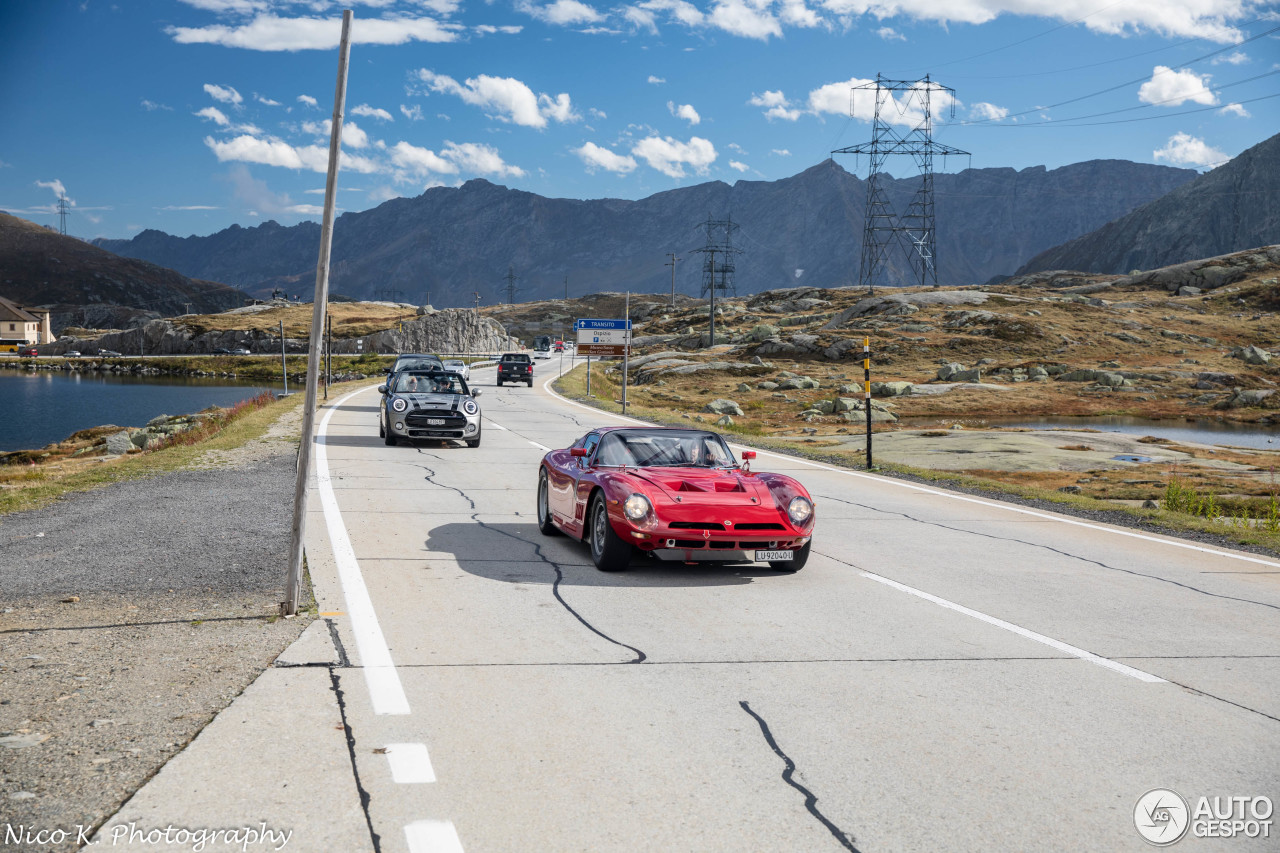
711 270
63 210
511 284
908 103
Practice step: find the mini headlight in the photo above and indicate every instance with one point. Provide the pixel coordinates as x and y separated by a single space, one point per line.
799 509
470 407
637 507
399 405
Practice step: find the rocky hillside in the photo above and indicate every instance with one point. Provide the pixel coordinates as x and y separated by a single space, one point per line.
85 285
802 230
1234 207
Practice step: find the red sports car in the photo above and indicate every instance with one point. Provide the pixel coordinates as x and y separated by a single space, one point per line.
675 493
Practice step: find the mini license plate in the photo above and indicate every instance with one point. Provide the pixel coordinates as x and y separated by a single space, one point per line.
770 556
435 421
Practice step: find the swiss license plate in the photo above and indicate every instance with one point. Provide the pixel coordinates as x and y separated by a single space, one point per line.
435 421
771 556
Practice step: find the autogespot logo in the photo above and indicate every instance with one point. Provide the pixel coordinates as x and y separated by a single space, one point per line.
1161 816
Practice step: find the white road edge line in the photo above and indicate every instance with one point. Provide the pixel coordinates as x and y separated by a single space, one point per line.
385 691
497 425
1020 631
541 447
890 481
432 836
410 763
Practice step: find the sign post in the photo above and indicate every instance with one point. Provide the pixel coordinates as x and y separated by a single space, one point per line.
601 338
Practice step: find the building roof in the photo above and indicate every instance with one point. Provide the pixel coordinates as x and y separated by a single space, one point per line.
13 312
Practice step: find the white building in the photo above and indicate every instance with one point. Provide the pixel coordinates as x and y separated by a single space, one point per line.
21 327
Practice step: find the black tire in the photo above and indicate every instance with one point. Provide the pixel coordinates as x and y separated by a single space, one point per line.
608 550
499 381
545 525
530 383
473 442
796 563
382 431
389 438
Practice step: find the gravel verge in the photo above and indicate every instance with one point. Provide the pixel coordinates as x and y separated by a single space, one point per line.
131 615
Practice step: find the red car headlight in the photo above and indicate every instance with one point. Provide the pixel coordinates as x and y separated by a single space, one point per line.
800 511
637 507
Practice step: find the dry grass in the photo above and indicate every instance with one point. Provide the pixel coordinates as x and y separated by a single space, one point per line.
350 319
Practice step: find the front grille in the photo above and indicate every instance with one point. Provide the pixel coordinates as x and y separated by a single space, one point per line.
748 546
768 525
689 543
452 420
696 525
723 546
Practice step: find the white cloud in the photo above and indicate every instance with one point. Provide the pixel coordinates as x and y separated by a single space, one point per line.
276 152
669 156
308 100
270 33
1171 18
781 152
56 185
263 100
223 94
1238 57
214 115
479 159
641 19
741 167
1234 110
371 112
595 113
420 161
1185 150
564 13
1171 88
890 34
506 98
987 112
152 106
188 207
839 99
743 18
352 135
797 14
413 113
657 81
684 111
488 29
775 105
602 158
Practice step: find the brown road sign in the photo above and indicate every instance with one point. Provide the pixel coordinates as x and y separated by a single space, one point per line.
616 350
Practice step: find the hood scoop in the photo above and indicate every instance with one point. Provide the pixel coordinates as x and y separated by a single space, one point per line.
703 485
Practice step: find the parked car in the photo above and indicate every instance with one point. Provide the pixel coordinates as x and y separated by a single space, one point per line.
515 367
108 353
30 351
220 351
71 353
677 494
458 366
240 351
429 404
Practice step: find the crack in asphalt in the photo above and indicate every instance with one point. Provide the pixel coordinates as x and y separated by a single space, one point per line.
335 684
537 549
1049 548
810 799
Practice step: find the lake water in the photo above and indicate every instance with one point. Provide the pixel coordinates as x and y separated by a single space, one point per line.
44 406
1200 431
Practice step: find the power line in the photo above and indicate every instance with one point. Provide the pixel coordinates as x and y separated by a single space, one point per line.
1129 120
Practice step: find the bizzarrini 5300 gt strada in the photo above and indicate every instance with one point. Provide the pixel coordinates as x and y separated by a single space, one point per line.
677 494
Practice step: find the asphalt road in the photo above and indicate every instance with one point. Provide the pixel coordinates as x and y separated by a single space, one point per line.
947 673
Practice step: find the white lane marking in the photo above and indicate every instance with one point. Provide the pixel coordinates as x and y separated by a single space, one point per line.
1020 631
497 426
432 836
541 447
890 481
385 691
410 763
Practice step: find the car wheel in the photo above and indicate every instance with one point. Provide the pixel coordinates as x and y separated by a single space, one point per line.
473 442
499 383
796 563
545 525
382 431
389 438
608 551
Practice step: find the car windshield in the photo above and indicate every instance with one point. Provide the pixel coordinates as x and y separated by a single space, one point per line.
428 383
454 365
417 364
664 449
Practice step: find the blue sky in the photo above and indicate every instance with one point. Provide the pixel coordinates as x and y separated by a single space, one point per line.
192 115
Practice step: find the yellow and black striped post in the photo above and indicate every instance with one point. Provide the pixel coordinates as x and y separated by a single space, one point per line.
866 380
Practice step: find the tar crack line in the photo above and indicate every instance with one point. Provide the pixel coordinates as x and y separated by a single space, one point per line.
1050 548
810 800
351 752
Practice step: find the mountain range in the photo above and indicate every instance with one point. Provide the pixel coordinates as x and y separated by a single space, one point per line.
1235 206
451 242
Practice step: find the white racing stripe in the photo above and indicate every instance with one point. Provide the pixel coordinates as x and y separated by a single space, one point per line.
432 836
1020 631
410 763
890 481
385 691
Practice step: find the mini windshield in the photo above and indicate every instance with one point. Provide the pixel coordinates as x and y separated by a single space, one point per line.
664 449
417 364
428 383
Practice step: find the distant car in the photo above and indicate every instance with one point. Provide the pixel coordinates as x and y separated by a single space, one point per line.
559 346
458 366
31 351
416 361
677 494
240 351
108 353
515 367
429 404
71 353
220 351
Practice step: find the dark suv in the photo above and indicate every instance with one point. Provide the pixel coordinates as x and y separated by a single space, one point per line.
515 367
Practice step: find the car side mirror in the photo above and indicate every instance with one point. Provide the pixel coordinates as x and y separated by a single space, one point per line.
382 389
475 392
578 451
748 455
386 370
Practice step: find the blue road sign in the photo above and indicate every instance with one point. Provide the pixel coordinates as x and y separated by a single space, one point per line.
601 325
